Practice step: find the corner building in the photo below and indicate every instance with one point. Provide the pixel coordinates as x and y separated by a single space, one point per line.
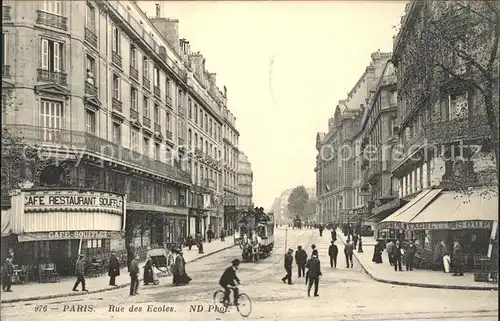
105 96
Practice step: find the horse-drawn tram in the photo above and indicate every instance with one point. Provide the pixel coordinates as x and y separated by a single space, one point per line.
297 222
256 231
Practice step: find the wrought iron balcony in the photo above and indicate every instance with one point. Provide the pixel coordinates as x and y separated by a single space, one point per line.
169 102
134 73
146 121
90 89
6 12
116 59
91 37
117 105
59 78
169 135
146 83
157 92
134 114
157 128
5 71
98 146
52 20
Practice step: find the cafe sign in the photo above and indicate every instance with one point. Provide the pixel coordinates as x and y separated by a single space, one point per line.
456 225
392 225
70 201
69 235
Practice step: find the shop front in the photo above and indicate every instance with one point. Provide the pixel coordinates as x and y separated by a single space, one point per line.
381 212
54 226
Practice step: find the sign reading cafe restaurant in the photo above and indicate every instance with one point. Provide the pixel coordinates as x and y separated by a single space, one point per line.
72 200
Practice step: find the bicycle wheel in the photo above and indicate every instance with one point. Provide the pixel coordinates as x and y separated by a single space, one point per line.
245 305
218 297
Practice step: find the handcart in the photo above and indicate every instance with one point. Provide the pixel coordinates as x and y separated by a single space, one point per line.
162 261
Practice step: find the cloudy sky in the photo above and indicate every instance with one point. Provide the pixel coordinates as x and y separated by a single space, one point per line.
285 65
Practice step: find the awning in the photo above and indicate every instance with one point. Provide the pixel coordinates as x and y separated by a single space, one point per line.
458 210
382 211
407 213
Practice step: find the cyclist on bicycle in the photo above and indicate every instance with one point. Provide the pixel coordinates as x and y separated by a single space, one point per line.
227 280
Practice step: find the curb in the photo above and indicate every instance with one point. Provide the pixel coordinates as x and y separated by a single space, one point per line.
121 286
422 285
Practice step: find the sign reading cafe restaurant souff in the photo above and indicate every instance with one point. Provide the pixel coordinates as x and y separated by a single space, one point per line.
73 200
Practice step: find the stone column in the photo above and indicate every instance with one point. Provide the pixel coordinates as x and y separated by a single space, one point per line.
405 185
401 187
425 169
416 179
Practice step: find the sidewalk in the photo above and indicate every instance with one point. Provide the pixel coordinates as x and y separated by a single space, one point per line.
383 272
38 291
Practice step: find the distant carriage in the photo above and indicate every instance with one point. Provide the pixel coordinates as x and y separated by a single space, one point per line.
297 222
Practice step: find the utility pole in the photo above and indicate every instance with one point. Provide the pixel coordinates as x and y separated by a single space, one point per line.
286 238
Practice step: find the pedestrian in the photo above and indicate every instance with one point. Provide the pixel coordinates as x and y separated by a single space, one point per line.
390 248
321 228
113 268
8 271
314 272
130 255
411 250
458 267
377 252
333 251
199 242
301 260
190 242
445 253
80 273
134 276
209 235
396 256
355 240
313 247
288 267
147 273
348 251
222 235
180 277
334 235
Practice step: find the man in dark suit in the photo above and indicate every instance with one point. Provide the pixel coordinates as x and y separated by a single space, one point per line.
288 267
396 256
301 260
333 251
227 279
348 251
313 272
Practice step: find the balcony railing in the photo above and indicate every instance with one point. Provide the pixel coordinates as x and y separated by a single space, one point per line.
84 141
90 89
146 83
157 128
6 12
181 141
116 59
146 121
134 114
59 78
157 92
169 135
52 20
90 37
117 105
5 71
134 73
373 170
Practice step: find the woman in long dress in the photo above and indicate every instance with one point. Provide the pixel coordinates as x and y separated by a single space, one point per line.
377 253
180 276
148 271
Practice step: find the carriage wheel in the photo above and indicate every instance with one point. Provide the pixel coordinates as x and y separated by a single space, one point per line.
156 282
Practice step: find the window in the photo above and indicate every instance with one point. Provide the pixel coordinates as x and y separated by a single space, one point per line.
201 118
179 99
145 105
117 133
169 88
145 67
146 146
90 21
201 143
90 121
52 55
206 122
116 87
157 114
51 115
116 40
53 6
206 147
168 121
211 128
190 138
133 57
169 197
196 140
4 46
195 113
458 106
91 67
92 244
156 77
133 99
134 140
157 151
190 111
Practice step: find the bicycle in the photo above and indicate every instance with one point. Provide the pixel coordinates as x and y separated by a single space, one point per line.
244 306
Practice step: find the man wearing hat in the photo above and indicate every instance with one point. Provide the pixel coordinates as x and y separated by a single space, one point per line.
113 269
333 251
134 275
8 270
288 267
80 273
314 271
227 279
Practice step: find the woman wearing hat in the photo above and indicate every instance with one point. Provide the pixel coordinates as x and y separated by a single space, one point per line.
180 276
148 271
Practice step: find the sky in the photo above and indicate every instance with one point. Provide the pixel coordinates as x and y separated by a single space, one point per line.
285 66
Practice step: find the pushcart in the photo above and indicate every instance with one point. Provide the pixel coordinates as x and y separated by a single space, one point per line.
162 261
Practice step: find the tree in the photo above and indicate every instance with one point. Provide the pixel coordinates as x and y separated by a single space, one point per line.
451 64
310 209
297 201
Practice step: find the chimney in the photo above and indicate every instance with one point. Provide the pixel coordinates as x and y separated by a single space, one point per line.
169 29
157 10
225 92
196 59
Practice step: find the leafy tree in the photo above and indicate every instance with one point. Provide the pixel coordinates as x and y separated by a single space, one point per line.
310 209
297 201
454 52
